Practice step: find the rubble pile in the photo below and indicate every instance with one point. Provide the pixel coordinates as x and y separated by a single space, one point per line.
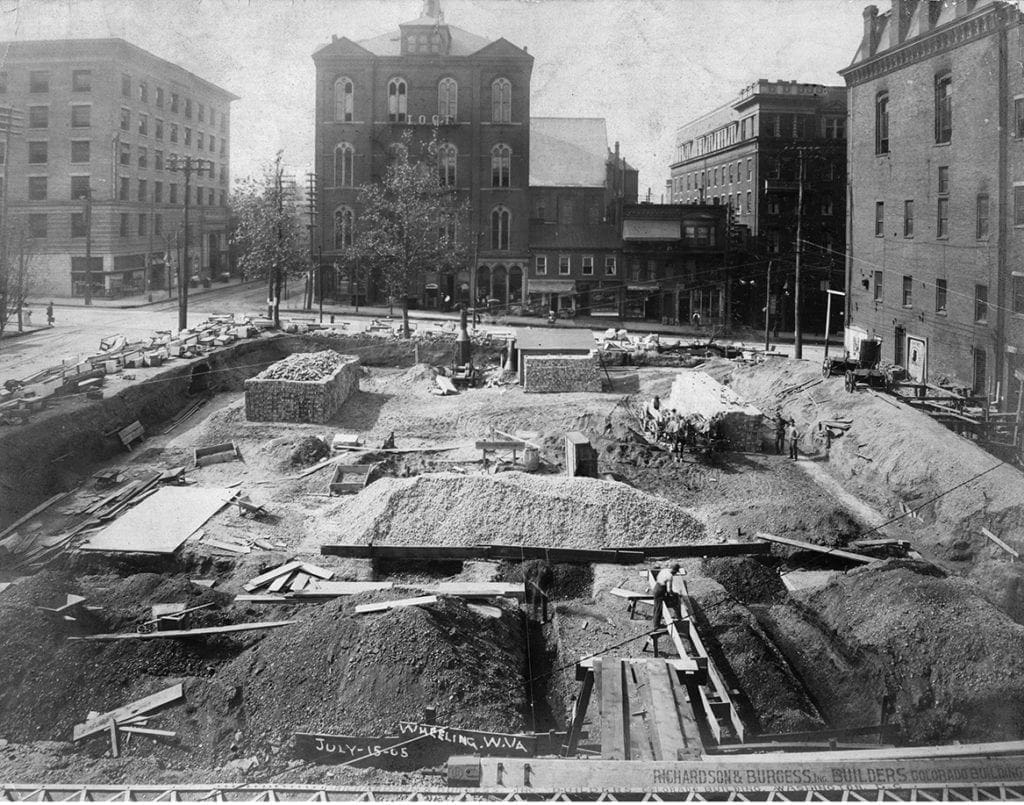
304 387
509 508
561 373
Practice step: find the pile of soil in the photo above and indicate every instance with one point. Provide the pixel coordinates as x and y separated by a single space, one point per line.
509 508
342 673
309 450
773 699
745 578
49 683
951 663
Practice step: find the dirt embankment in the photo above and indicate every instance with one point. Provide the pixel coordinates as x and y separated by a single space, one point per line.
951 664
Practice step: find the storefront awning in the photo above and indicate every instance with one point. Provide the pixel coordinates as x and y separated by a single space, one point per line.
551 286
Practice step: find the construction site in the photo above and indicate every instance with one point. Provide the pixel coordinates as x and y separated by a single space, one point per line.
240 563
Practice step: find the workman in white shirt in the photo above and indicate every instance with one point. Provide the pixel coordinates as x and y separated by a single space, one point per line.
665 592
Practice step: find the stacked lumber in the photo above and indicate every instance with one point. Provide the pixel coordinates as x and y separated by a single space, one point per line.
290 577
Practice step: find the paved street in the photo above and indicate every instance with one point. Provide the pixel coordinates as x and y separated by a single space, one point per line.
78 329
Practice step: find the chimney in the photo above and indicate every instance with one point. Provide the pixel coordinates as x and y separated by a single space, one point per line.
902 11
964 7
871 29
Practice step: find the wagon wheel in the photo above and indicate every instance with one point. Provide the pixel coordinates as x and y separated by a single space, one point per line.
826 367
851 380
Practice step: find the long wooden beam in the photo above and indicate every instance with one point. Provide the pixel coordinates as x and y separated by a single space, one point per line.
208 630
626 555
810 546
102 722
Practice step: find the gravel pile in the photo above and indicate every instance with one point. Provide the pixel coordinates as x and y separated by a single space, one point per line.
304 366
509 508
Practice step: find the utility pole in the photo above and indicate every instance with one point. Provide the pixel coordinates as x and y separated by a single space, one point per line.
767 307
88 245
186 165
798 336
311 207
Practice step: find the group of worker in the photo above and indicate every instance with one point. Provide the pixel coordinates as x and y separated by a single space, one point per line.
672 427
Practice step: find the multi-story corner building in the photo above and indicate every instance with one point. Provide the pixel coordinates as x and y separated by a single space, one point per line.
429 77
675 263
89 173
577 191
747 155
936 224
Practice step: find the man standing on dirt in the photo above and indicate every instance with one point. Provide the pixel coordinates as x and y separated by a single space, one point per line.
780 432
666 594
49 315
794 439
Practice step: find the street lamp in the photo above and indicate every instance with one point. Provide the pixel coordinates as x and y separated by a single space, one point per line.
186 165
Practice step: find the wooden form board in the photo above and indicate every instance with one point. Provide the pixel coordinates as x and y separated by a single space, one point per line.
383 606
631 555
102 722
162 522
836 771
810 546
208 630
643 713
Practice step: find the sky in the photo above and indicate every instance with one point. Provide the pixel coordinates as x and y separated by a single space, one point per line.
646 66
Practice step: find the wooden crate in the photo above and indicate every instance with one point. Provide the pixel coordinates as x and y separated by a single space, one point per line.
350 478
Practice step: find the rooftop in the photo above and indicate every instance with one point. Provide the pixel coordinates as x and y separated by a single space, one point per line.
554 340
568 151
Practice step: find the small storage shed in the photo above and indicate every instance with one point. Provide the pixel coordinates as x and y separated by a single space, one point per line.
551 341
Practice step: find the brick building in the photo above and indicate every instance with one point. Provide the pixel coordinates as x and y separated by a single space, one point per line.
936 223
577 191
429 76
747 155
102 119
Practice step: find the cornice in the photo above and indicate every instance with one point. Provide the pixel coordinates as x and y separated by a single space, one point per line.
961 32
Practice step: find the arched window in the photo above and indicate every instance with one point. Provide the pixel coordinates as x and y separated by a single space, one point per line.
447 100
447 157
501 165
501 223
882 123
397 98
343 96
344 159
501 101
343 219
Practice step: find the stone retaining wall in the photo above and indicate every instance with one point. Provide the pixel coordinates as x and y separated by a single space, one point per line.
561 373
313 401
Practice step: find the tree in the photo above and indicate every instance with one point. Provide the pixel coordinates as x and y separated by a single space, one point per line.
15 272
408 222
268 234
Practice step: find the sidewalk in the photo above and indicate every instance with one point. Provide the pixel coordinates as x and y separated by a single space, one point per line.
588 322
156 297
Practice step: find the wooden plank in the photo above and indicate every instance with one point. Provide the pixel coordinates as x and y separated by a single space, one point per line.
702 549
671 740
299 582
208 630
148 731
316 571
476 590
147 705
630 595
516 445
519 553
231 547
1000 543
270 575
579 712
614 725
327 589
278 584
163 522
383 606
810 546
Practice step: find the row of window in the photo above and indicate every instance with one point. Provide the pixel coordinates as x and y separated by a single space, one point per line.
81 81
500 229
38 190
565 265
796 126
447 100
942 293
447 165
39 224
981 205
942 114
202 140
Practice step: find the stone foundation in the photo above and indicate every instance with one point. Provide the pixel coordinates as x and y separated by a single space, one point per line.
699 394
561 373
314 401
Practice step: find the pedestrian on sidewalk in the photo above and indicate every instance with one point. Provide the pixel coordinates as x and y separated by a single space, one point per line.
794 439
49 315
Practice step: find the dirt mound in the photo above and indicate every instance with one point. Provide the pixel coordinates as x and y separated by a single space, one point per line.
510 508
49 683
951 663
745 579
342 673
309 450
773 699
